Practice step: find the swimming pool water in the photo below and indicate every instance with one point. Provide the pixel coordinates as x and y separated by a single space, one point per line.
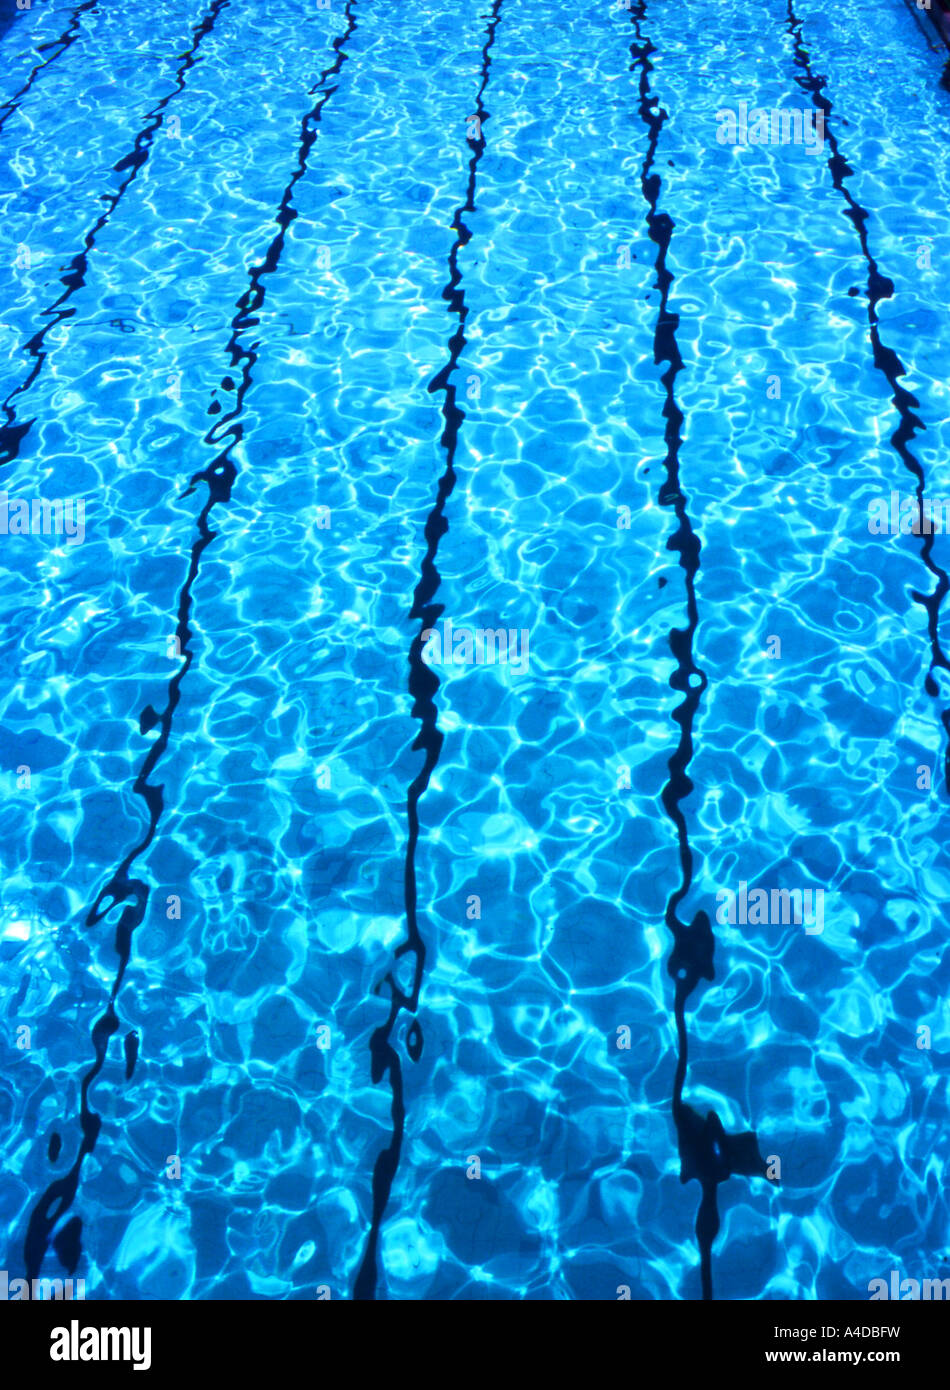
350 969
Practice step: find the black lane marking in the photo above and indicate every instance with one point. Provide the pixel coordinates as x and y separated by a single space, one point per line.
423 684
65 40
887 362
121 889
707 1152
13 433
131 1053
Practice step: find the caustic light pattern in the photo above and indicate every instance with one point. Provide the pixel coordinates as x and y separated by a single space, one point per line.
476 702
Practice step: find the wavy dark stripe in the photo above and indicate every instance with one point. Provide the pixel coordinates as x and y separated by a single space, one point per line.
423 684
707 1153
887 362
122 890
12 433
66 39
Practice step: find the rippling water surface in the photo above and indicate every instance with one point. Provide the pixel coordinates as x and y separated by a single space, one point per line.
349 323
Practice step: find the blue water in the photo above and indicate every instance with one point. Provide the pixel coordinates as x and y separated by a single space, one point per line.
347 323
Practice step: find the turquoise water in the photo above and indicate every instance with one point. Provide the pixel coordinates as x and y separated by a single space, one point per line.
284 291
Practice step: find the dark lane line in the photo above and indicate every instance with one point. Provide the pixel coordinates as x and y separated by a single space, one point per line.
219 477
707 1153
423 684
65 41
12 433
887 362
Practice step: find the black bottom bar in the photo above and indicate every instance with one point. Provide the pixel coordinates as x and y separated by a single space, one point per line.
287 1338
